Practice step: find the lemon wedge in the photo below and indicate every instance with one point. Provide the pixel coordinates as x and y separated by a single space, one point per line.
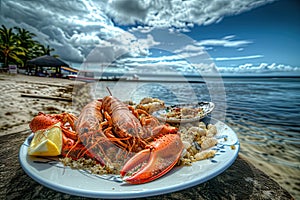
47 142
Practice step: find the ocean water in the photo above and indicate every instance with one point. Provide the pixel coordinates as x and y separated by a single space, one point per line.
264 112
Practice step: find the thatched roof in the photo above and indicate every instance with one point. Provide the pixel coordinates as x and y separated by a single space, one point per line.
47 61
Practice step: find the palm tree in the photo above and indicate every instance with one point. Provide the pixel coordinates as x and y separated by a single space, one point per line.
9 47
25 37
20 47
46 50
25 40
36 51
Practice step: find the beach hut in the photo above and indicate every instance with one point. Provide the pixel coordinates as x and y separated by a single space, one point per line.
45 66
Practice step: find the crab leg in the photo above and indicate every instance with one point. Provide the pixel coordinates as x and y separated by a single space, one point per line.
161 157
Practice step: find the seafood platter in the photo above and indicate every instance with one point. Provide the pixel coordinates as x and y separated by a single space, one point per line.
116 150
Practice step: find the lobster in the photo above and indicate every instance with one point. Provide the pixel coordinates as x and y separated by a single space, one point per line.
158 145
107 126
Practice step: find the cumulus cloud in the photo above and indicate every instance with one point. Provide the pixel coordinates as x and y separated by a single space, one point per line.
177 13
73 28
165 64
60 24
128 47
259 68
87 29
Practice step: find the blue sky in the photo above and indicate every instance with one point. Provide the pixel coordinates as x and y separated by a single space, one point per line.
272 30
234 36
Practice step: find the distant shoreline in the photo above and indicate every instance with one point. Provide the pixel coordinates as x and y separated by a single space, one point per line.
171 77
191 79
262 76
204 79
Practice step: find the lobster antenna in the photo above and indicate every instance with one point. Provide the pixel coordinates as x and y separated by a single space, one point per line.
109 91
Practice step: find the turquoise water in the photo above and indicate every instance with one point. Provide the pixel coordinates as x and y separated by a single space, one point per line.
264 112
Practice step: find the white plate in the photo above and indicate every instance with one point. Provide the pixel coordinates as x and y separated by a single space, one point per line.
53 174
206 106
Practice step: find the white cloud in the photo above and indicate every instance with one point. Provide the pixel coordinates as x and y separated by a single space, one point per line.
75 28
225 42
84 39
59 24
177 13
228 37
163 65
190 48
124 48
260 68
238 58
142 29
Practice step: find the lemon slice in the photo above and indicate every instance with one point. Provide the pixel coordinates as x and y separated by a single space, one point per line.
47 142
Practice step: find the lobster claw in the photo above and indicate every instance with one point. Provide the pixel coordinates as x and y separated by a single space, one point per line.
160 158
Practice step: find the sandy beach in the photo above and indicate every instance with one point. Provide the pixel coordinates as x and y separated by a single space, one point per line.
20 100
